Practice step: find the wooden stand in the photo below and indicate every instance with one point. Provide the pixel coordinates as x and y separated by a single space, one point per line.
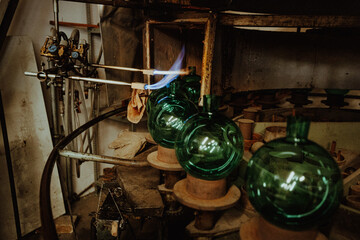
209 197
260 229
165 159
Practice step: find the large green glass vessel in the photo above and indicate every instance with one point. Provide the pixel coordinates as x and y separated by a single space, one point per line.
158 94
293 182
166 119
191 85
210 145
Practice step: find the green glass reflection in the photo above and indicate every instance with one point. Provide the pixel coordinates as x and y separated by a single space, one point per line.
210 145
293 182
166 118
158 94
191 85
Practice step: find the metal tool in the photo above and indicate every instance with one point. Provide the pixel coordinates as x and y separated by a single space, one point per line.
144 71
135 85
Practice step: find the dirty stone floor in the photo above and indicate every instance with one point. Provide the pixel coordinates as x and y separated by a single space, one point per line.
83 209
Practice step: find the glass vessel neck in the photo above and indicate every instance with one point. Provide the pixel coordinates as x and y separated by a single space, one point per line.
192 70
297 129
211 103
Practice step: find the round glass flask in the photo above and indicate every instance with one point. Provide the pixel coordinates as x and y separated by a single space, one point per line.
166 118
158 94
293 182
210 145
191 85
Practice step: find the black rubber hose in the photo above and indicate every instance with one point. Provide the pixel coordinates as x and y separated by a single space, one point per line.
46 216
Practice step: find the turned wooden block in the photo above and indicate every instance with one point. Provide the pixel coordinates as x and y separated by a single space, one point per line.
166 155
204 189
63 224
260 229
170 178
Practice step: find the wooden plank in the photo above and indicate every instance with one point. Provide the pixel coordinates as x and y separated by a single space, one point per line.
202 20
229 222
251 20
146 52
289 21
208 54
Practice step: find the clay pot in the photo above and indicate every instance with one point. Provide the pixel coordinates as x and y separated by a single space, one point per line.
274 132
353 201
246 127
250 113
248 143
256 146
355 190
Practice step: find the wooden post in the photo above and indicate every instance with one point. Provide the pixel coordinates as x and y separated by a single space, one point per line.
208 54
146 51
170 178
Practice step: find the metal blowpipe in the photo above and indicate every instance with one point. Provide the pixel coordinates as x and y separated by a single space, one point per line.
144 71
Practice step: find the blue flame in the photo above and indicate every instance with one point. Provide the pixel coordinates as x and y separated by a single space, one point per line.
168 78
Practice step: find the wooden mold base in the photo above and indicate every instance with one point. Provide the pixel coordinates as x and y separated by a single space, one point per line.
166 166
188 199
258 228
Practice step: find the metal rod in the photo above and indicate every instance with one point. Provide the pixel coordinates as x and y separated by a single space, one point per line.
97 80
10 170
102 159
117 68
75 25
56 15
144 71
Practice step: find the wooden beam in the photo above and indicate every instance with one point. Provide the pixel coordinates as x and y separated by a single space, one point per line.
146 51
290 21
267 20
180 21
208 54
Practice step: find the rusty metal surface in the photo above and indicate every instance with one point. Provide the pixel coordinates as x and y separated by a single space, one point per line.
273 60
121 33
289 21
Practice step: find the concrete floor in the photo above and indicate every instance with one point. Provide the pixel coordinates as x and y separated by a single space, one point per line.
84 209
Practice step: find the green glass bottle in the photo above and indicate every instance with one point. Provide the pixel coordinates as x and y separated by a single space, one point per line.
191 85
166 118
210 145
158 94
293 182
